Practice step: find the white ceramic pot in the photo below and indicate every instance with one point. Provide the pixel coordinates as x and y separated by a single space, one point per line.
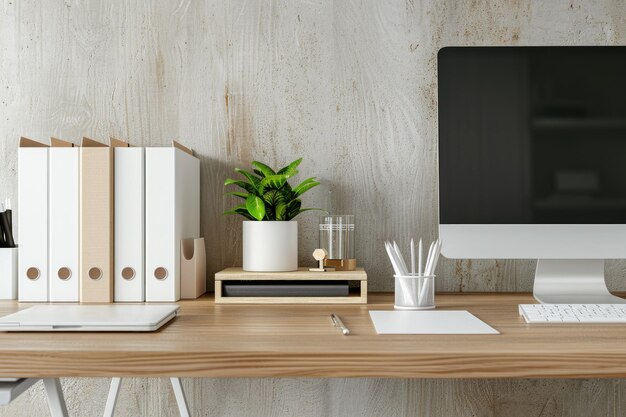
270 246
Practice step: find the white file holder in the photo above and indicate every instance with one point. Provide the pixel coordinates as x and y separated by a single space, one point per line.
192 268
63 171
32 216
129 277
172 213
8 273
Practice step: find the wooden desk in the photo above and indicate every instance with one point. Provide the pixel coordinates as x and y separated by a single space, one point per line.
209 340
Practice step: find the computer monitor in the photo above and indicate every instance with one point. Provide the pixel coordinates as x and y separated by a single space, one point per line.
532 162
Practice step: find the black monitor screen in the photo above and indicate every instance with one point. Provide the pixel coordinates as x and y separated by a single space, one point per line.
532 135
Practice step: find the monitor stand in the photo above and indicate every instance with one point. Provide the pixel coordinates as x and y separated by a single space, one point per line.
572 281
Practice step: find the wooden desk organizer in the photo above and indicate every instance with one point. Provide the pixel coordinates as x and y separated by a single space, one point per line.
357 295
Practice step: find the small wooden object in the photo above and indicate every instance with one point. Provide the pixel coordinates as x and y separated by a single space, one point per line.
341 264
320 255
357 295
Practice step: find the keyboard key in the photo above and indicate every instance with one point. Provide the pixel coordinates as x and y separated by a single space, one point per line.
573 313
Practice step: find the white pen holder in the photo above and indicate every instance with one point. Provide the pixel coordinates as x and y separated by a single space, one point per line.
8 273
414 292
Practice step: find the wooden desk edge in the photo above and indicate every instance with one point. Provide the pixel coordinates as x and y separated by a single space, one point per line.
597 362
240 365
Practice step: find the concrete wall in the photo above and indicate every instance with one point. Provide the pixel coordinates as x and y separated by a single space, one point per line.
349 85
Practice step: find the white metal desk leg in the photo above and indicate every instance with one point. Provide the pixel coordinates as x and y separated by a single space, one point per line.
56 402
109 408
181 401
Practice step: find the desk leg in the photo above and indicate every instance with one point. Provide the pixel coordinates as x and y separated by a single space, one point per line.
56 402
114 390
181 401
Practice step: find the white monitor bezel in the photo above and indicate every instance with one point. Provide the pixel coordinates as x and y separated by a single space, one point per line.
533 241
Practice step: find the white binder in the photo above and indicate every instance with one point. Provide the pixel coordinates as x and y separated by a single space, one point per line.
32 190
63 171
129 277
172 213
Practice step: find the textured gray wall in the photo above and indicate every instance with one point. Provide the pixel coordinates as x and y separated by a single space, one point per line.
349 85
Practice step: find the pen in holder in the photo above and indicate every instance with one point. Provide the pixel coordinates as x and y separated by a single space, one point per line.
414 287
414 292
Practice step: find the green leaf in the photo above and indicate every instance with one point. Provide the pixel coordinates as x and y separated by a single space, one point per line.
234 209
281 211
304 186
312 208
230 181
241 210
300 211
290 170
287 192
270 214
293 208
274 181
253 179
248 187
238 194
265 170
255 207
272 197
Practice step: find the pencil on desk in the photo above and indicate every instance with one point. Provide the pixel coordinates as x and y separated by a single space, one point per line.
420 249
412 257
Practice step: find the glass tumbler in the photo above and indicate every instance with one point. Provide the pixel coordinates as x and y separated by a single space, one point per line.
414 292
337 237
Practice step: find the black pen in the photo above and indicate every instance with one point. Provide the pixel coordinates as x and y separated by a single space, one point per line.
9 212
8 239
7 208
6 229
3 243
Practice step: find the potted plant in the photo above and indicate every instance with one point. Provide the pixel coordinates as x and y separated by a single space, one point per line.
270 238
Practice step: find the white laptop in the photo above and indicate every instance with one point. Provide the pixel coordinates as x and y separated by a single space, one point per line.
90 318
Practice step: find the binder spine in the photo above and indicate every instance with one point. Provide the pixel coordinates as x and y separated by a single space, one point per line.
63 224
33 224
172 213
129 277
162 276
96 224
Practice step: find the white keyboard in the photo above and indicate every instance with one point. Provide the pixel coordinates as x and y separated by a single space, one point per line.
573 313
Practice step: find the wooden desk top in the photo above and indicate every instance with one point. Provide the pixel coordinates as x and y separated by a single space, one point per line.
298 341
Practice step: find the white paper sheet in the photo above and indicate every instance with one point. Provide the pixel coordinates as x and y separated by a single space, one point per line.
429 322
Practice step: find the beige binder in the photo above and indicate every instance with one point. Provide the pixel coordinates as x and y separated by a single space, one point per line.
96 222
